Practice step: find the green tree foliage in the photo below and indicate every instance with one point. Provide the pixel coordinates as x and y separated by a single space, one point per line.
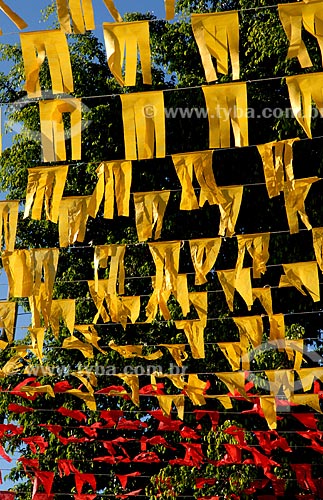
177 69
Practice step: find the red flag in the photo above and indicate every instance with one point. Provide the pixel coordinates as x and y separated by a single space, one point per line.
19 408
213 415
268 444
53 428
304 477
307 419
131 494
81 479
61 387
131 425
7 495
84 497
153 441
66 467
201 481
4 455
149 457
123 478
76 414
188 433
238 433
36 441
45 479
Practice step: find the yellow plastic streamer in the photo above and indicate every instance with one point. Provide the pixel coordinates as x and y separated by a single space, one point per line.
91 335
114 178
194 331
35 46
143 124
166 259
8 224
122 308
126 39
134 351
62 309
52 128
150 209
295 15
80 12
45 184
277 159
227 103
229 210
199 162
177 351
295 203
73 215
166 403
264 297
303 89
217 35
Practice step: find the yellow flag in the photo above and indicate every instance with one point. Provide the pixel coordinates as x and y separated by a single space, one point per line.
73 216
229 209
199 162
277 159
79 13
114 179
204 252
317 234
52 128
227 104
113 11
8 223
293 17
35 46
217 35
116 270
150 210
8 319
303 89
295 202
231 282
126 39
143 118
257 245
73 342
170 9
17 20
302 274
45 184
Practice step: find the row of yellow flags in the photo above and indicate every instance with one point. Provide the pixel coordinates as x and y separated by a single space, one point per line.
216 34
45 189
144 121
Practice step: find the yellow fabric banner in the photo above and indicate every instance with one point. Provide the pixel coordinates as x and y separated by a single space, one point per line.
257 245
166 403
177 351
62 309
234 352
303 89
114 179
126 39
79 13
150 209
302 274
229 210
295 202
134 351
143 118
45 185
35 46
199 162
73 216
52 128
122 308
277 159
91 335
217 35
166 259
8 224
99 294
293 17
227 103
194 331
